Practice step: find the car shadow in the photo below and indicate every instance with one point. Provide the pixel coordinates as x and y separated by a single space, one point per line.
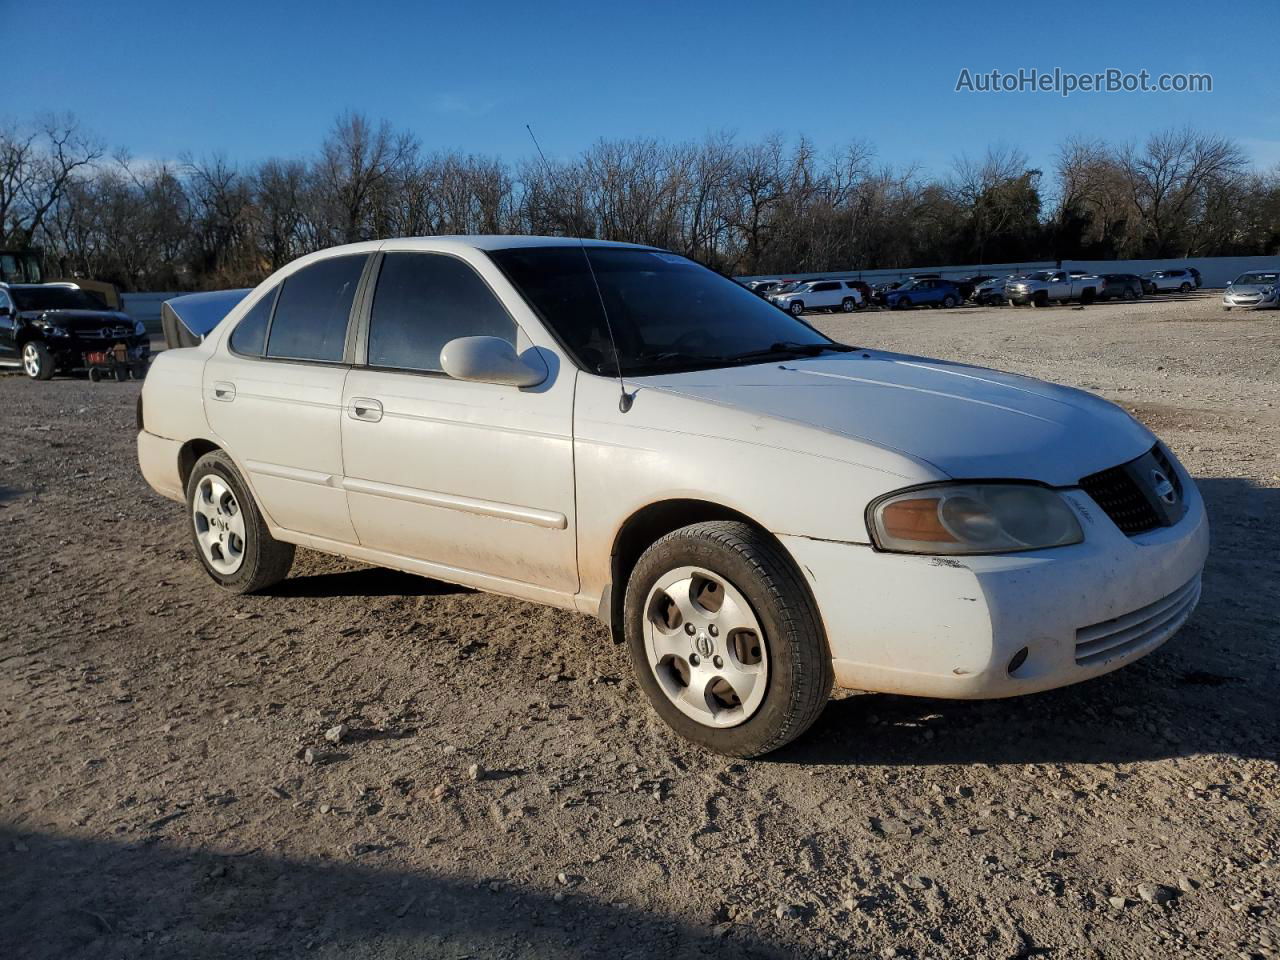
1209 690
365 582
94 899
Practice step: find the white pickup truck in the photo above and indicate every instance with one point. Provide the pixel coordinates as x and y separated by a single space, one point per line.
1047 286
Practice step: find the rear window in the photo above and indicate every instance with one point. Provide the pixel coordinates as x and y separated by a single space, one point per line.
312 311
250 335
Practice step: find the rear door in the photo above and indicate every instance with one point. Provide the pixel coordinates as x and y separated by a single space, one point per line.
273 395
8 327
477 477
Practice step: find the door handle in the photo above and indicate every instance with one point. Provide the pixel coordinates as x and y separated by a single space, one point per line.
224 391
362 408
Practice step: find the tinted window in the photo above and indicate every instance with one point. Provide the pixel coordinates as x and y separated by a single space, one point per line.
250 334
424 300
312 310
667 313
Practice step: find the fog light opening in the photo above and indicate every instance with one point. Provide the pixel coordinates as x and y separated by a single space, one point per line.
1018 660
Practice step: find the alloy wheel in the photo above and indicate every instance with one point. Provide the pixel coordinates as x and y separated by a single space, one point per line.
219 525
31 360
705 647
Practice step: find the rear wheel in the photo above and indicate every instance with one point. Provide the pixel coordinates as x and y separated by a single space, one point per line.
1129 294
1184 288
37 361
848 305
725 639
229 534
949 301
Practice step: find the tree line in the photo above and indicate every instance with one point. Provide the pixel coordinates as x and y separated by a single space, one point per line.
759 207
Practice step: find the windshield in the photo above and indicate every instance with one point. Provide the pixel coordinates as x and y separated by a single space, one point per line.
54 298
667 312
789 287
1252 278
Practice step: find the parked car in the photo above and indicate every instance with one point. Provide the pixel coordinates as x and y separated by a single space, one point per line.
1049 286
864 289
48 328
1196 276
1255 290
756 511
1172 281
1120 286
968 285
762 288
923 293
820 295
991 291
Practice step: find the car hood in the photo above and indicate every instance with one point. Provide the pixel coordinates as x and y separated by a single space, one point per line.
968 422
1251 288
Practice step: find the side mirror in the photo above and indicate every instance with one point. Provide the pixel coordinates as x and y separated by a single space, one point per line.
489 360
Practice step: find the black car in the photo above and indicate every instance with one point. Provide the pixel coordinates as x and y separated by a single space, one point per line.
52 327
1120 286
968 285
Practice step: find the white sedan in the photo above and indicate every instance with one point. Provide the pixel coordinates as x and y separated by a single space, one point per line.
756 511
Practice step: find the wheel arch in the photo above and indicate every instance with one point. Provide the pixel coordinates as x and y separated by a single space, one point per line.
645 527
190 453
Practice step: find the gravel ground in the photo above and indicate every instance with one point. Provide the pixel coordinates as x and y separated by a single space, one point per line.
496 787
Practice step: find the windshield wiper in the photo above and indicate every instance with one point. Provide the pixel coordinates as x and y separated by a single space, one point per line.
790 348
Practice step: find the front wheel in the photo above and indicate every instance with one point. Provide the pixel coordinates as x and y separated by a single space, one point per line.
37 361
725 639
796 308
902 304
229 534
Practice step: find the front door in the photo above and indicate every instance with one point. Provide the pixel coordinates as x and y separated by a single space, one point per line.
472 477
273 394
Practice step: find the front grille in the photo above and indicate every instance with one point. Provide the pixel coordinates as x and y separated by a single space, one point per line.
1162 458
1119 495
1145 627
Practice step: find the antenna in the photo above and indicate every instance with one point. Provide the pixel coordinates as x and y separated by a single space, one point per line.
626 399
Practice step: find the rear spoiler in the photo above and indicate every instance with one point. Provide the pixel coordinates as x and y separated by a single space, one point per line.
188 320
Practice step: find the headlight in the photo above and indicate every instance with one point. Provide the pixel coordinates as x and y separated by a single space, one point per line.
973 518
139 328
53 330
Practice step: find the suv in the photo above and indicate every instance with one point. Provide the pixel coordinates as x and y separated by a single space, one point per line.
1172 281
924 292
819 295
51 327
615 430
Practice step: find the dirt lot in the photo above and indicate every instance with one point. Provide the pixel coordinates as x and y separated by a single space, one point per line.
503 791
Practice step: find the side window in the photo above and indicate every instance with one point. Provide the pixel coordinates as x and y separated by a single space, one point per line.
250 335
313 308
424 300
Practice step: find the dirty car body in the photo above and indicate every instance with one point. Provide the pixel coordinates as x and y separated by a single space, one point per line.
917 526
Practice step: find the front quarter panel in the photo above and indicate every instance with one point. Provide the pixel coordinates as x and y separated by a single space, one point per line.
789 478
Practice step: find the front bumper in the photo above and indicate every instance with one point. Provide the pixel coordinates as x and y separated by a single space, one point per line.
1251 301
949 626
71 352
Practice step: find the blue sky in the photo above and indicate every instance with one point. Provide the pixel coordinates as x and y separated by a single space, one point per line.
261 79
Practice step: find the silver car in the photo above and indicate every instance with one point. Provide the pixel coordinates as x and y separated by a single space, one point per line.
1256 290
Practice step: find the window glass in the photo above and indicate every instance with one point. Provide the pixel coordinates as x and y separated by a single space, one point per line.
250 334
424 300
313 309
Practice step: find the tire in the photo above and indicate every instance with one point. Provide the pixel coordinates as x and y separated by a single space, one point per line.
260 560
1185 288
94 374
37 361
848 305
796 308
121 373
1129 294
902 303
948 302
792 670
1041 299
